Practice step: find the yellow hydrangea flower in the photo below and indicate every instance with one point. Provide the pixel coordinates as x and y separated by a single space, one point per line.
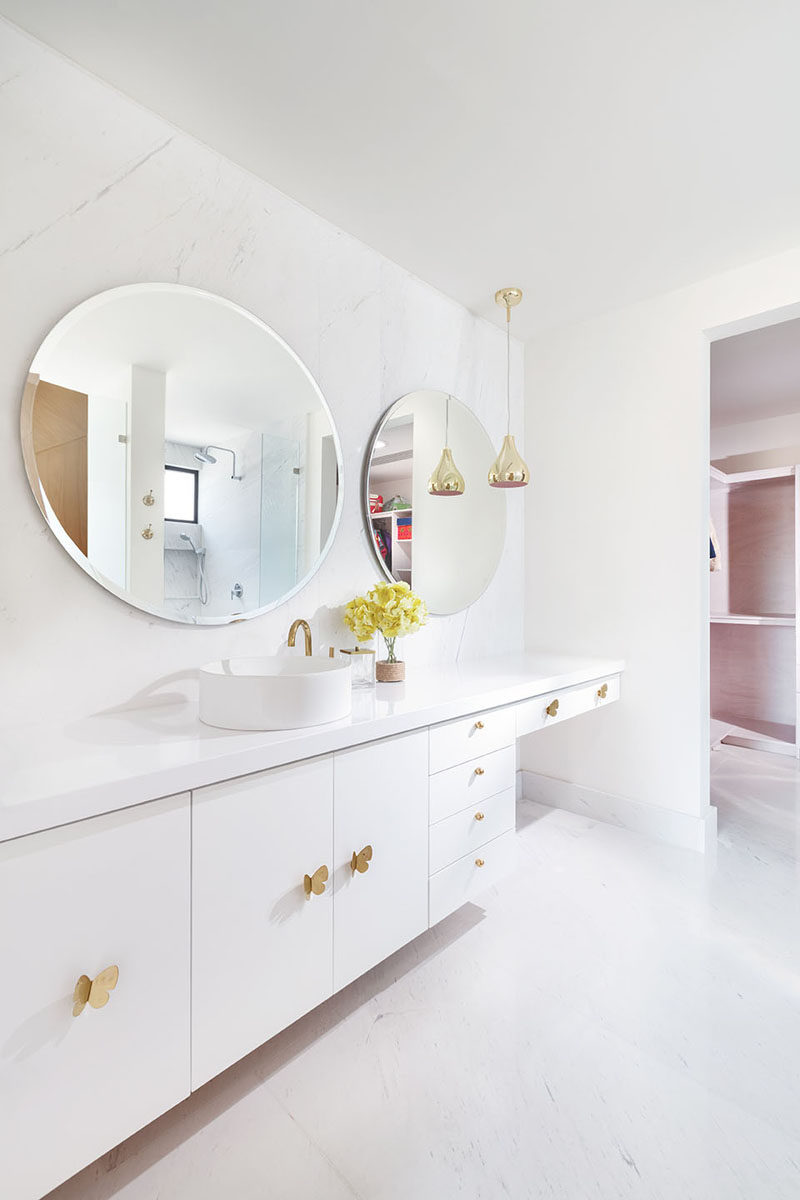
391 609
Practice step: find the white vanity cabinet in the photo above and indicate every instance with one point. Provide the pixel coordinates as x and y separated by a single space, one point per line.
262 938
296 864
380 902
111 891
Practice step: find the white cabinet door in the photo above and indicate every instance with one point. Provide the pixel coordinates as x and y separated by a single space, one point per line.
381 802
262 949
112 891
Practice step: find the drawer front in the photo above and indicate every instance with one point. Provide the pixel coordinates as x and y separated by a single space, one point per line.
109 891
468 737
472 783
533 714
262 948
465 831
464 880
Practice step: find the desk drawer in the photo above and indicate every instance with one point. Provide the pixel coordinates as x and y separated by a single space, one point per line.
464 880
458 741
472 783
534 714
466 831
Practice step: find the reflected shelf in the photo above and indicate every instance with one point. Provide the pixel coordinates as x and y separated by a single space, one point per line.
783 619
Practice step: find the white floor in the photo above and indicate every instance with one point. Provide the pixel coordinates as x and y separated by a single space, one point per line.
622 1020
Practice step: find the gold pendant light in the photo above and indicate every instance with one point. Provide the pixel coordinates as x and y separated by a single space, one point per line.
509 469
446 480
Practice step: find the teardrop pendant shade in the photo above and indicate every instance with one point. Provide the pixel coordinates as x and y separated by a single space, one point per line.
509 469
446 480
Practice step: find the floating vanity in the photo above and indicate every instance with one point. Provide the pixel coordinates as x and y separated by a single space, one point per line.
236 880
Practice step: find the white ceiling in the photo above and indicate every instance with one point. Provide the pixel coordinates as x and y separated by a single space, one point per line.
591 153
756 375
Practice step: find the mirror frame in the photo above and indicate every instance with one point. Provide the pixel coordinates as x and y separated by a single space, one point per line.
384 417
29 458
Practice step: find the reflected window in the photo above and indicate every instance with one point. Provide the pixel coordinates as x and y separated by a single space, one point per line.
180 494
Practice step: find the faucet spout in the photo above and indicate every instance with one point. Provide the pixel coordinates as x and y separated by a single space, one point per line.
306 628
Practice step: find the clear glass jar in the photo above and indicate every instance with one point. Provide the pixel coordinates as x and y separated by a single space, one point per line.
362 667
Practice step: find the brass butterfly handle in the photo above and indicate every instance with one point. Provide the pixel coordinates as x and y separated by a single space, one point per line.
479 862
94 991
479 771
361 860
602 692
314 885
479 724
552 708
478 816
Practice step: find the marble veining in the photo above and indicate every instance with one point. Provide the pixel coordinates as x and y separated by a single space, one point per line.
98 192
615 1022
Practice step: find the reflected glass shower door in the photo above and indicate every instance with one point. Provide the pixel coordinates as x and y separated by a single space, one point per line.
280 485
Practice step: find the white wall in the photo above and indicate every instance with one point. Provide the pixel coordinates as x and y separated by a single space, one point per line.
96 193
617 527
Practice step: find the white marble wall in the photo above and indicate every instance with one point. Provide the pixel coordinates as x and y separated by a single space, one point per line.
97 192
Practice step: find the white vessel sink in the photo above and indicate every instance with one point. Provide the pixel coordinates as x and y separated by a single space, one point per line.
274 693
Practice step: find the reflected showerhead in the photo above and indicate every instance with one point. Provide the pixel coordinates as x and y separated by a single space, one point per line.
199 550
203 456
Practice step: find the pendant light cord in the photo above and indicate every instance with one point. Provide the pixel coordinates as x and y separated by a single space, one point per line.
508 368
447 420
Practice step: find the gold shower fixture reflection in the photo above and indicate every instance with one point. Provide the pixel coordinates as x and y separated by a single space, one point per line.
509 469
446 480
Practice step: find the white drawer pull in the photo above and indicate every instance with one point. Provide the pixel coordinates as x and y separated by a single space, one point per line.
94 991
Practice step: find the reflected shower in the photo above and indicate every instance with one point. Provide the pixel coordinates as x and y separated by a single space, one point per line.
203 456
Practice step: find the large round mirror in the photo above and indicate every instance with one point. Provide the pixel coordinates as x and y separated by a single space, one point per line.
443 536
181 453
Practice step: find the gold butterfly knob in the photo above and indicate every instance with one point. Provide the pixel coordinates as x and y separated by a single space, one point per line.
315 884
479 771
552 708
94 991
478 816
479 724
602 692
361 860
479 862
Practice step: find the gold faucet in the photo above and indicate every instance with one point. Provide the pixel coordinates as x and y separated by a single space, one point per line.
304 625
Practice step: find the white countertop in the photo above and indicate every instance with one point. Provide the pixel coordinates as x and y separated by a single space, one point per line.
98 764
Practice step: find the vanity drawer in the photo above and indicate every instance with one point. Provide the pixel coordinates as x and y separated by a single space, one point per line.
466 831
533 714
111 891
468 737
472 783
464 880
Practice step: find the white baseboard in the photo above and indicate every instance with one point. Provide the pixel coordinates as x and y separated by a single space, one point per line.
663 824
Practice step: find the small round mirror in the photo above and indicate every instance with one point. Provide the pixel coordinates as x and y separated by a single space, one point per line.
432 519
181 453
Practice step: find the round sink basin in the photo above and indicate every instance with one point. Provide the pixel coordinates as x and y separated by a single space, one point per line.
274 693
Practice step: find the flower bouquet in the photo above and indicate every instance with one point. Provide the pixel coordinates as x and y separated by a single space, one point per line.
392 610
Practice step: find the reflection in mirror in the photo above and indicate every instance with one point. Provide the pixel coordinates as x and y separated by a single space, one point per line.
446 547
181 453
